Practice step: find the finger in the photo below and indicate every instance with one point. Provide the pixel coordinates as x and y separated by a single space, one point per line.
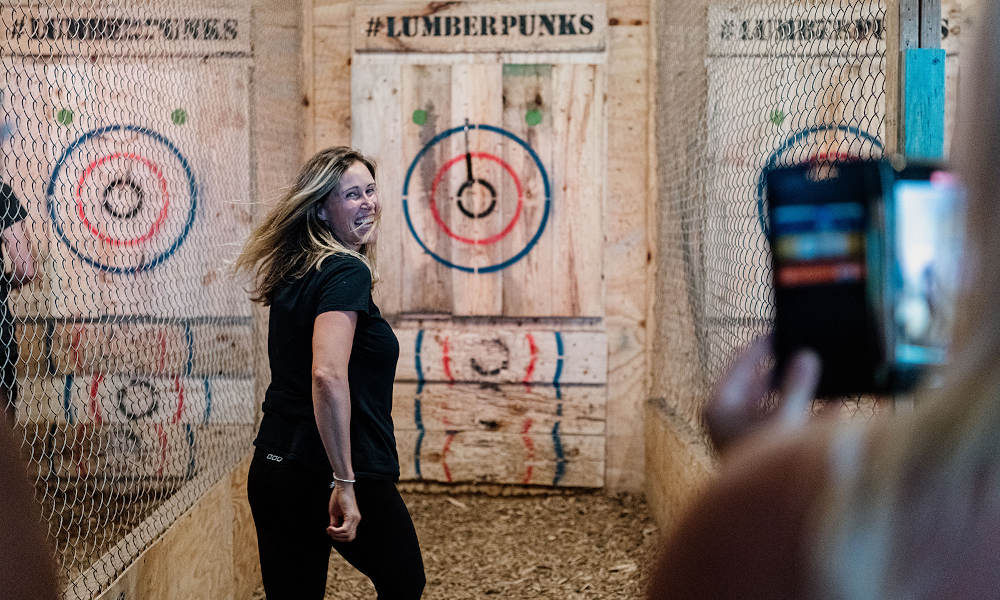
798 388
734 408
743 378
342 534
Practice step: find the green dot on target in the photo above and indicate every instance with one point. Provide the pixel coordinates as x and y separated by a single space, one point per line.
419 116
179 116
64 116
533 117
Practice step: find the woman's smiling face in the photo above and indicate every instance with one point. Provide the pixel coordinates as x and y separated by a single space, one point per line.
352 208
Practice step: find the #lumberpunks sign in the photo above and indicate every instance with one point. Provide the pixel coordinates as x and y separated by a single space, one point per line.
104 30
480 27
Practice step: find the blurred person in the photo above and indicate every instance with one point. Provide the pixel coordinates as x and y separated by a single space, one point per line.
325 466
27 568
16 247
900 507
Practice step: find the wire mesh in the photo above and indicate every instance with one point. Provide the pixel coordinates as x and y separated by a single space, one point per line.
745 85
128 374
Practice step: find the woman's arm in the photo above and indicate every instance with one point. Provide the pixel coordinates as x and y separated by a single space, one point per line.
333 336
15 242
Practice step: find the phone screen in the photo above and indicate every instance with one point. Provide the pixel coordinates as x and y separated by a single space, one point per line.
822 258
925 224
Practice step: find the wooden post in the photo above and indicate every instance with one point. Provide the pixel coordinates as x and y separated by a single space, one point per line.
915 68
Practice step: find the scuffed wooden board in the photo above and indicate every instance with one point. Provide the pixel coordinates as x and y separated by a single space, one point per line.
508 408
149 148
332 72
123 399
533 458
426 109
501 355
476 97
375 131
139 348
108 454
578 162
528 96
628 250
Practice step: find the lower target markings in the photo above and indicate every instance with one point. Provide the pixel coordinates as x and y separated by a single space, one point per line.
478 197
863 143
495 363
122 198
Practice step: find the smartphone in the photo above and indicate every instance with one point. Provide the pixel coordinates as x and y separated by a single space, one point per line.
822 220
866 260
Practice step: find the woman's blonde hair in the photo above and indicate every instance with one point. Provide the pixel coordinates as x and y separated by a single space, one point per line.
925 503
293 239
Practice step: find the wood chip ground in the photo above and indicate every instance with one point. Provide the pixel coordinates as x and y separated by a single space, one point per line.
567 547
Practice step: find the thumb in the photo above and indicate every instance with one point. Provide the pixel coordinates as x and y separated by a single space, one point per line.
798 388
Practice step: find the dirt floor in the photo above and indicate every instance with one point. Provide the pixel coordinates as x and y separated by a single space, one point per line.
565 547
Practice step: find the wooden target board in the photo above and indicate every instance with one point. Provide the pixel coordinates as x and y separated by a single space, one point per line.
786 84
134 340
492 169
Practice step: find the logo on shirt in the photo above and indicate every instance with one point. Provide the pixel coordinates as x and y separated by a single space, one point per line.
275 457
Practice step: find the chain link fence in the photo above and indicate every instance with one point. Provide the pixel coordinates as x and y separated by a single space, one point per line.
128 368
744 86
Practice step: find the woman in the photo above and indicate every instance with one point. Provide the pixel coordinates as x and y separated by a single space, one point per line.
325 466
903 508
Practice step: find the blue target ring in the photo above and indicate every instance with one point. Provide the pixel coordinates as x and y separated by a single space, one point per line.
772 160
57 221
545 213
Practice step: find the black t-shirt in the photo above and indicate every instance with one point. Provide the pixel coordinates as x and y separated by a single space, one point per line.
289 429
11 212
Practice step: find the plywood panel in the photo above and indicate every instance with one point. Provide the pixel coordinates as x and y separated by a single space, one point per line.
157 203
331 84
426 108
124 399
531 458
476 98
376 92
501 355
508 408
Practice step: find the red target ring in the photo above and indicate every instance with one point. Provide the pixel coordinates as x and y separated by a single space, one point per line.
93 228
483 241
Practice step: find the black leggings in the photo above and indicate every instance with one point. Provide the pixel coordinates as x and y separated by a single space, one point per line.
290 511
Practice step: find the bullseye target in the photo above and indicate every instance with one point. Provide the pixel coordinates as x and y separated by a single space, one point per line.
476 198
122 198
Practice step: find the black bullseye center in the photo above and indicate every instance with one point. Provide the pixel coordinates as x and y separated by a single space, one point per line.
137 399
493 198
123 193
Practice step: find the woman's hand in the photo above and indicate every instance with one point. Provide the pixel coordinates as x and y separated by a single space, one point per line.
344 513
736 408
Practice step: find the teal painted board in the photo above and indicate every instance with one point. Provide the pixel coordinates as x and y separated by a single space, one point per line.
923 103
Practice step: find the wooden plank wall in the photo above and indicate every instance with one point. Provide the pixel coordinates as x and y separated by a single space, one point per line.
625 256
